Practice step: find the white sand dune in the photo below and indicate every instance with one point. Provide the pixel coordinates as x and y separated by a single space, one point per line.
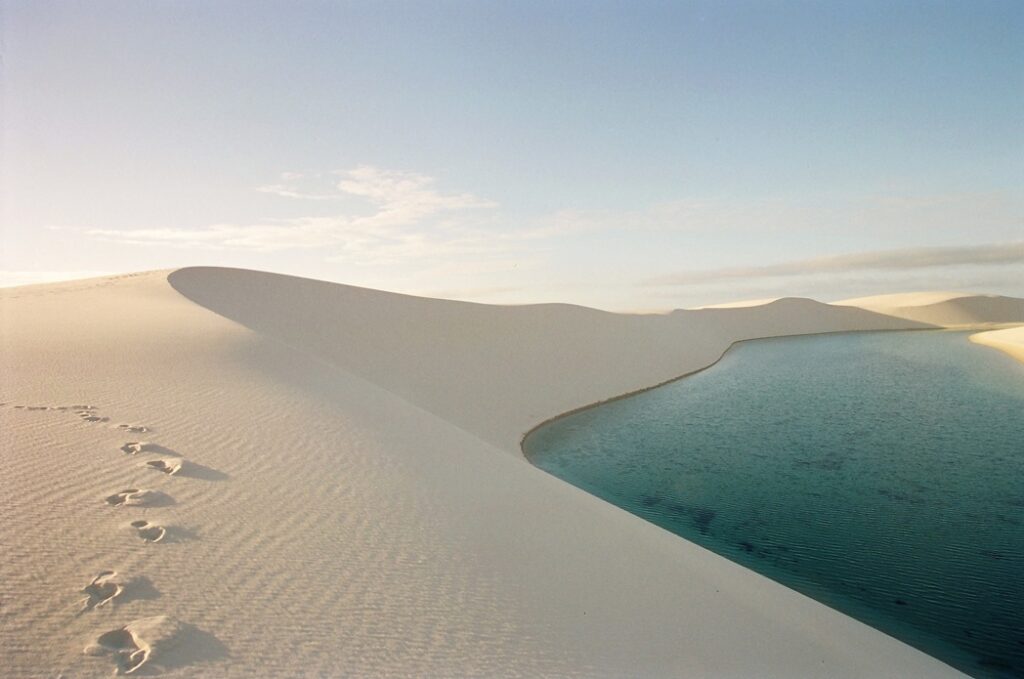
1008 340
946 309
739 304
350 498
901 299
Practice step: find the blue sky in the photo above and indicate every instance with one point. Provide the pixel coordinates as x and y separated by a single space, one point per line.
620 155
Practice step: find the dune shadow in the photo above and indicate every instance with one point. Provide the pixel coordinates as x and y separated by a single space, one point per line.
138 588
177 534
191 646
160 450
194 470
160 499
195 646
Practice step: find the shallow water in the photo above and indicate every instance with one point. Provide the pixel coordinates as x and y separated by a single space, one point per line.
880 473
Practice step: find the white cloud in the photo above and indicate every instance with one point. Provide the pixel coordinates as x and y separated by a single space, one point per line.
286 191
408 220
884 260
408 217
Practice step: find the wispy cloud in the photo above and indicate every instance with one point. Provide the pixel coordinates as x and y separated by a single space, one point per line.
408 217
285 191
884 260
303 186
404 218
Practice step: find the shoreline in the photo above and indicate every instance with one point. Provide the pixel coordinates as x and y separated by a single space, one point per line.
636 392
1010 341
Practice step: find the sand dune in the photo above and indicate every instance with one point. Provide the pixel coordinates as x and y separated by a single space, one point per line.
496 371
350 498
739 304
946 309
899 299
1009 340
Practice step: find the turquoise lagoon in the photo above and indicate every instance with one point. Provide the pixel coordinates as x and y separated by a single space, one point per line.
879 473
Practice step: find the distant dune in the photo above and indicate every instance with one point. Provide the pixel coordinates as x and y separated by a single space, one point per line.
945 309
740 304
951 309
901 299
226 473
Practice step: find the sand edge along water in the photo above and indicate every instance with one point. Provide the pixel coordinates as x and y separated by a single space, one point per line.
1008 340
217 472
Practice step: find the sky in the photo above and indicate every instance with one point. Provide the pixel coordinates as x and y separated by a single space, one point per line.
629 156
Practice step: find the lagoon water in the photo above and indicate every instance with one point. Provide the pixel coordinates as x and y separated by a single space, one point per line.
880 473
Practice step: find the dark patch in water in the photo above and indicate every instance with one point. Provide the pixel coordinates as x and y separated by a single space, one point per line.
702 518
746 546
900 602
992 554
996 664
677 509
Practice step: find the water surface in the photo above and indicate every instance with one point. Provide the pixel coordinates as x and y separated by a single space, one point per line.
880 473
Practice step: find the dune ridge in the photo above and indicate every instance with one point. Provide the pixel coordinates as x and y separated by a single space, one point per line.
349 497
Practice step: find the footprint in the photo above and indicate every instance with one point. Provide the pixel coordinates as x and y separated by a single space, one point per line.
166 466
138 642
91 416
150 532
104 588
133 428
133 497
136 447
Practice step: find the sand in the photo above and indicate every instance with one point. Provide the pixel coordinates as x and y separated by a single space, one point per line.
947 309
215 472
1008 340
